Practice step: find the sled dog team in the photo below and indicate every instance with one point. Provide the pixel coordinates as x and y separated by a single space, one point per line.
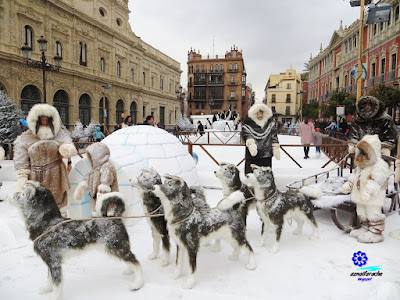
188 220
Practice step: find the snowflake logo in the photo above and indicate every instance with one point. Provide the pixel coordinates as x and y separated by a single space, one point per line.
360 258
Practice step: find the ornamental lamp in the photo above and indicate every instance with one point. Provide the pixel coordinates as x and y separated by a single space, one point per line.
26 52
57 61
42 44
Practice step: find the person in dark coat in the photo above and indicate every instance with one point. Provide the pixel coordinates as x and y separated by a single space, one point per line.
149 121
259 134
200 128
372 119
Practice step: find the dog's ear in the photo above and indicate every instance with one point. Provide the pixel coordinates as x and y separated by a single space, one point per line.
268 169
167 176
223 164
232 167
181 182
144 170
253 166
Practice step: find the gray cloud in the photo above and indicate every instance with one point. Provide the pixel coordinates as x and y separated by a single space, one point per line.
274 35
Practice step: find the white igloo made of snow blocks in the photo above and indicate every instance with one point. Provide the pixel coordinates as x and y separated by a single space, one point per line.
131 149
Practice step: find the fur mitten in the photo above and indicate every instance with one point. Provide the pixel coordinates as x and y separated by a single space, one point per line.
22 178
67 150
352 148
397 171
347 186
276 151
386 151
253 149
103 189
250 142
80 190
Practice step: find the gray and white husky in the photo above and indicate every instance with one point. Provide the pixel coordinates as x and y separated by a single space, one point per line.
41 213
145 183
274 207
190 226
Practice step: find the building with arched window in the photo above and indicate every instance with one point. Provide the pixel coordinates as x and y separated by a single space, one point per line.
334 69
98 47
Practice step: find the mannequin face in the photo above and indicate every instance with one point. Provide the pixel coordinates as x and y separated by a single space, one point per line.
368 107
44 121
260 115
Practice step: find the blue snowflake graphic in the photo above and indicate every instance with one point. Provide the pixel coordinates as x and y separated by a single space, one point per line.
360 258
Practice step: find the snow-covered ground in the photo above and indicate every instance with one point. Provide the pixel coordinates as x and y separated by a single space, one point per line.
301 269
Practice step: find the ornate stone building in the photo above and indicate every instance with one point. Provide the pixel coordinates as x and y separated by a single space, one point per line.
334 68
216 84
283 95
98 48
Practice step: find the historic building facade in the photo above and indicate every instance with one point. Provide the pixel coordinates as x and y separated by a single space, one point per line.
98 49
283 95
216 84
334 68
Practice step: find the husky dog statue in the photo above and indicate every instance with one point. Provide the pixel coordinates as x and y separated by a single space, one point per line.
188 226
145 183
274 206
41 214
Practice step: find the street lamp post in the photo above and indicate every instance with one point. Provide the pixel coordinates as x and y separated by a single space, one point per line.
105 87
179 95
42 64
301 104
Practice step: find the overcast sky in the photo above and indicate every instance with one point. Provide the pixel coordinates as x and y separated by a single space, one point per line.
274 35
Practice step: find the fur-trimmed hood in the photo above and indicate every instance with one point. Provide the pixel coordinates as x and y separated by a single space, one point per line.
368 150
97 154
47 110
252 114
377 108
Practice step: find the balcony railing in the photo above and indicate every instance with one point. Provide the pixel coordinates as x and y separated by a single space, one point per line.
371 81
381 78
391 75
197 99
215 82
199 83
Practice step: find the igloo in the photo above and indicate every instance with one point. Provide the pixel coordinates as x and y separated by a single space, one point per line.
131 149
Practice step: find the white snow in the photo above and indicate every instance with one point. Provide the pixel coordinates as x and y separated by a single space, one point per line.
302 269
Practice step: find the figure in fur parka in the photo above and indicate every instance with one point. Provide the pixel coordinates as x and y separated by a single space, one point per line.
259 134
396 234
373 119
39 152
103 176
368 186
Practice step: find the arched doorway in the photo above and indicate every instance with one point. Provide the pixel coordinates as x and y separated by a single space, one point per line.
133 112
119 109
84 109
61 103
3 88
30 96
101 112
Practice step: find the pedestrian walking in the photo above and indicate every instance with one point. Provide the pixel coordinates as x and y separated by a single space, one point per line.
307 135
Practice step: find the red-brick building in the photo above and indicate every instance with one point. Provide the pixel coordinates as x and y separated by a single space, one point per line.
216 84
334 68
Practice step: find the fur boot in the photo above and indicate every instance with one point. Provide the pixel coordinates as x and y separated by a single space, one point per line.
374 233
357 232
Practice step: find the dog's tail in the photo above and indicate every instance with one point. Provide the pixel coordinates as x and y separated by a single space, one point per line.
110 205
311 193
